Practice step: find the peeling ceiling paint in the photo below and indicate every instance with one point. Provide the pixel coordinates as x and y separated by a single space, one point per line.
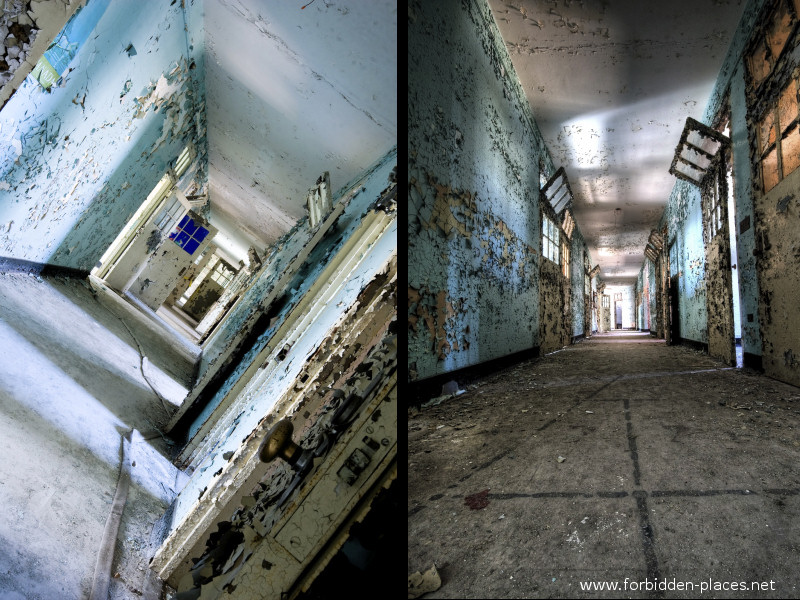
293 92
611 85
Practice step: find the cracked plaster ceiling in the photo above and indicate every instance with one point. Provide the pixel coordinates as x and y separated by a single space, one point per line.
610 84
292 92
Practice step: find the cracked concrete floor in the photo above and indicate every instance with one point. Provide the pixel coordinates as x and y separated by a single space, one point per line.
71 382
616 458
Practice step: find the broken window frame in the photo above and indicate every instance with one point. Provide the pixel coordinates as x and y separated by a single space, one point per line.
689 149
557 191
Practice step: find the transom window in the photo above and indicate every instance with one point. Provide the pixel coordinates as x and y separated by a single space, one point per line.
549 239
606 301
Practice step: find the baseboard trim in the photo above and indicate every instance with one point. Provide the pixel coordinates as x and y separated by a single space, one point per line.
431 387
753 361
16 265
695 345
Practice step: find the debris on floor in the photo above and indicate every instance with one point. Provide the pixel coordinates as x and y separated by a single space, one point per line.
422 583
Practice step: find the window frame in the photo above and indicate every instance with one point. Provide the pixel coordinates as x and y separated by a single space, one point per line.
550 239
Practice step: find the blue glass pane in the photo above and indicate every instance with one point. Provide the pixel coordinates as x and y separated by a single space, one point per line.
190 227
184 221
200 234
182 238
191 246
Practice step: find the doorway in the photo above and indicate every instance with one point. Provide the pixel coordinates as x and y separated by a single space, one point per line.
674 295
714 202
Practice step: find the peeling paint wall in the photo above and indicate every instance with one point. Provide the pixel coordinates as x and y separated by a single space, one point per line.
473 211
581 305
77 161
683 219
364 193
683 213
554 310
245 314
341 302
777 216
718 275
745 232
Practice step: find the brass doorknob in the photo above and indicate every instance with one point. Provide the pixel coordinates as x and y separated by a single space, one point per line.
278 443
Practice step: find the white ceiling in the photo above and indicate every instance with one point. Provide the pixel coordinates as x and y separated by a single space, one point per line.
293 92
611 85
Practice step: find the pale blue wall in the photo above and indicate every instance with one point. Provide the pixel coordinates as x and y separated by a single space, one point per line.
474 155
683 213
76 162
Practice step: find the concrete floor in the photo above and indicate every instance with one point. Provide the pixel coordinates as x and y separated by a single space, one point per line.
79 369
616 458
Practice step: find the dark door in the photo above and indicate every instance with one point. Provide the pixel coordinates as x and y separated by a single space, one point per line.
675 322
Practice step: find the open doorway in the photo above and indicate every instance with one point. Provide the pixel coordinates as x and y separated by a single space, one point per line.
163 250
717 239
674 295
736 300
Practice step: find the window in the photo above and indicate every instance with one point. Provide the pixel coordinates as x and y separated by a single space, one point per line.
618 297
606 301
779 138
169 215
714 212
188 234
223 274
549 239
565 259
772 97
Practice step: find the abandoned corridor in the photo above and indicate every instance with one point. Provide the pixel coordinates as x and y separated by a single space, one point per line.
617 457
